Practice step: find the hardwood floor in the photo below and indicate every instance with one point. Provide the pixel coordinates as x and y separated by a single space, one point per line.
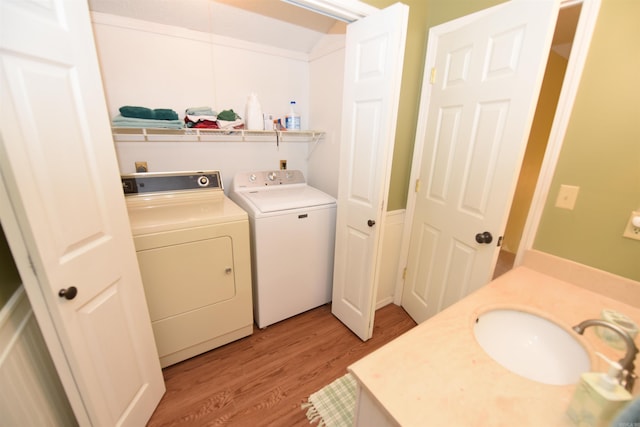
504 264
262 380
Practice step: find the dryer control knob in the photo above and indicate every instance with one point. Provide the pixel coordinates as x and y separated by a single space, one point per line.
203 181
252 177
272 176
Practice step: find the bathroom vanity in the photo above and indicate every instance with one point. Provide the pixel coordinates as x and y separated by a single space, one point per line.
438 375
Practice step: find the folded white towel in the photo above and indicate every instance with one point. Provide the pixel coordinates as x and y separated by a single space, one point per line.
223 124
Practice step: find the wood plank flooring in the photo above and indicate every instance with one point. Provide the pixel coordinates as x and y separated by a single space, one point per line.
504 264
262 380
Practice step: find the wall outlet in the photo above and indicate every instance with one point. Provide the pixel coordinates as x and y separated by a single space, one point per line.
141 167
283 165
567 197
631 231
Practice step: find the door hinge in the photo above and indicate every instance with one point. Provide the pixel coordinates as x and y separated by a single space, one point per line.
432 77
418 182
404 274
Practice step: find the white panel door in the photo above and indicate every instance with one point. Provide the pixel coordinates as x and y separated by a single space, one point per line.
373 71
60 172
474 122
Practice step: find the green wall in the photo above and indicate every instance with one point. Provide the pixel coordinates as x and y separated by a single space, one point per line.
414 55
601 152
423 14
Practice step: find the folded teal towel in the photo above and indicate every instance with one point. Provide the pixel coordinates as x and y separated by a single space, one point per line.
228 115
165 114
130 122
136 112
147 113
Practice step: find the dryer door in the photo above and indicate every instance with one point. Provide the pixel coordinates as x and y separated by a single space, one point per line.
198 287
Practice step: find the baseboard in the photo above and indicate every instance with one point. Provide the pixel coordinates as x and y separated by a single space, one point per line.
613 286
384 302
393 228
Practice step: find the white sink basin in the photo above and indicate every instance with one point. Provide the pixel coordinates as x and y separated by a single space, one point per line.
531 346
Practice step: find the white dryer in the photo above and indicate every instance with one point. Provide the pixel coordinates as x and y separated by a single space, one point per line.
292 236
193 250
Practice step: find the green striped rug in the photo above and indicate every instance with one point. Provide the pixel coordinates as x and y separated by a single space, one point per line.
333 404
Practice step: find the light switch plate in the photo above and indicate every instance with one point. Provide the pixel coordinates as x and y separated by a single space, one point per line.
567 196
630 231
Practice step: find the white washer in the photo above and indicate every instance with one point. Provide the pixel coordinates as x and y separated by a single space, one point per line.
194 254
292 236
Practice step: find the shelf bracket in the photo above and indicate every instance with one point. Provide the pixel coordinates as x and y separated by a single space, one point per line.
315 140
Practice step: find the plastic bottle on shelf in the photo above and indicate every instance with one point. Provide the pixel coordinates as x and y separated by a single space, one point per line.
292 120
253 114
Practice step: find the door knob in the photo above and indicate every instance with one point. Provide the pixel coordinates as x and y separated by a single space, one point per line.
485 237
371 223
69 293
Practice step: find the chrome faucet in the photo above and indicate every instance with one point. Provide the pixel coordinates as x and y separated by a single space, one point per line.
627 376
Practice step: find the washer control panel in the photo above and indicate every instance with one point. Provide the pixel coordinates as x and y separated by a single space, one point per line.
158 182
267 178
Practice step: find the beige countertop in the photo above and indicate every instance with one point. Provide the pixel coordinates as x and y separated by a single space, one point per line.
437 374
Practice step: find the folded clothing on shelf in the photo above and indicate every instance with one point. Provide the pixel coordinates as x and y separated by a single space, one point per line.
235 124
229 119
200 117
200 111
228 115
147 113
202 124
131 122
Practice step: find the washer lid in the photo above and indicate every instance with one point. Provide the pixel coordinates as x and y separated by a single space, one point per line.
289 197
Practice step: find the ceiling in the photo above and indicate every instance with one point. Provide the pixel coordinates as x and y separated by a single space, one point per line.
288 27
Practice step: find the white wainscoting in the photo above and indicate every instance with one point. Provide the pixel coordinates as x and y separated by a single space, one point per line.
394 223
30 390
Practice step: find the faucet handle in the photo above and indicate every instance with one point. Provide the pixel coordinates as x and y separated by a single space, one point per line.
627 376
628 379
